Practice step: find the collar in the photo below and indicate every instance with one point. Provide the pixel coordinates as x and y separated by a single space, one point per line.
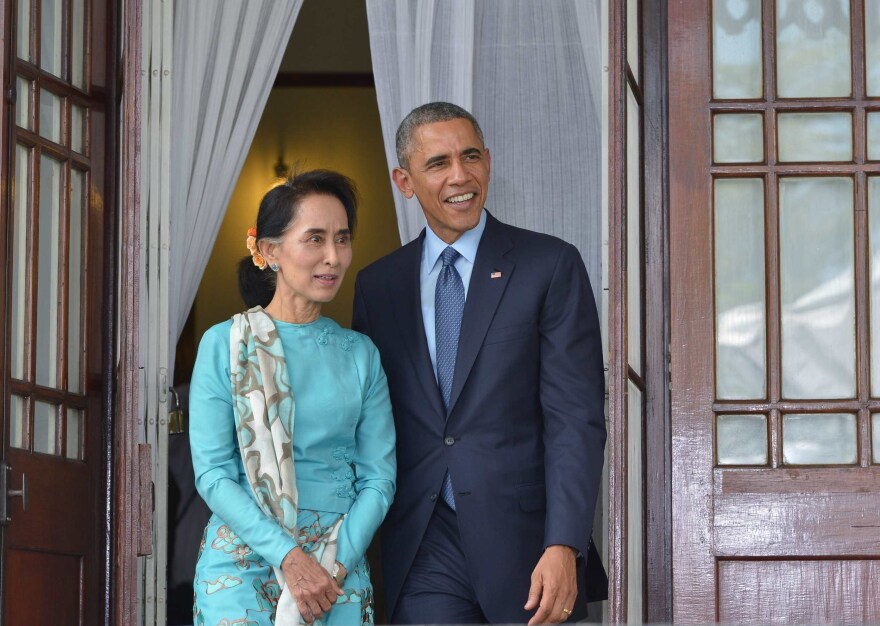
466 245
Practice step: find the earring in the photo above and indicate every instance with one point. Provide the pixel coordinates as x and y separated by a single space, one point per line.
274 267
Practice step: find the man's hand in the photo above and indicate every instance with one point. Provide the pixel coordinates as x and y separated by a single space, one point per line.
312 587
554 586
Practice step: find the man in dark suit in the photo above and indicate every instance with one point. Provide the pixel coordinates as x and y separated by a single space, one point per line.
490 340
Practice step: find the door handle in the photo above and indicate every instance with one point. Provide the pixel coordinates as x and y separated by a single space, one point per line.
19 493
6 493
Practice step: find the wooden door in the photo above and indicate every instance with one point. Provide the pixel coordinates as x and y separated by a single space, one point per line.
53 219
774 135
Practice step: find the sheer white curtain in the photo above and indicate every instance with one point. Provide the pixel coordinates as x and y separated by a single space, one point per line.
422 51
226 55
530 72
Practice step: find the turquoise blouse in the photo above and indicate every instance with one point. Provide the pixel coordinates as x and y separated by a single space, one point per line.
343 437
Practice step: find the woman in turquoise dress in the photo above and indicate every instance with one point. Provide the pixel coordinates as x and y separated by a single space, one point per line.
291 427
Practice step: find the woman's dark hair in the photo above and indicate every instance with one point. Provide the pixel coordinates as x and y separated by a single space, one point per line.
278 209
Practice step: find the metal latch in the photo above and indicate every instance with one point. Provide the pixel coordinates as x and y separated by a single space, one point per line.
176 416
6 493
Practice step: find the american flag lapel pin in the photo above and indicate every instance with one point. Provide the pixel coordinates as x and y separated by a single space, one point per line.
495 275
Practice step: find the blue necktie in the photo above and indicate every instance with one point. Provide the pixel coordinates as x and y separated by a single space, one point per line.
448 309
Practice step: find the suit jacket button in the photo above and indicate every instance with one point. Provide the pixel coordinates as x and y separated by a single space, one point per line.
449 441
433 497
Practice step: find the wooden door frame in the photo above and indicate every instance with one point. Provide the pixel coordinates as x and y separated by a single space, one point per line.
131 509
616 454
5 185
657 574
658 429
129 525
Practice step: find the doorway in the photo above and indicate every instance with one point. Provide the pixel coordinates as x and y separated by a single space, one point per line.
321 113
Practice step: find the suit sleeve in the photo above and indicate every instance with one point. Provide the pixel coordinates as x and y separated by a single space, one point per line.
216 457
573 401
374 464
359 320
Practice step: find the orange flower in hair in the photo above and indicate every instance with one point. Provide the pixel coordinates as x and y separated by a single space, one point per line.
251 243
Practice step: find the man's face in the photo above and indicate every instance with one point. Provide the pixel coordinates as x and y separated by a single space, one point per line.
449 173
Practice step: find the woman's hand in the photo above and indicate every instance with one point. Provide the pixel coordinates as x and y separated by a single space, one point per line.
312 587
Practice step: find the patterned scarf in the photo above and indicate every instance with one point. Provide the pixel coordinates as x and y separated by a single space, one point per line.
263 403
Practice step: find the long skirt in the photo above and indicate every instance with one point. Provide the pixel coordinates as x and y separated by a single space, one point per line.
235 586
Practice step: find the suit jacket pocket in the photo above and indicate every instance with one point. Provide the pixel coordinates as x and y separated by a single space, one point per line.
532 497
508 333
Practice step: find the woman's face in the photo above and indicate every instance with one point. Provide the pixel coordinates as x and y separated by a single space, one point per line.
314 253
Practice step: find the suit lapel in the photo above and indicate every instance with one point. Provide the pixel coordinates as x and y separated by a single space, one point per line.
408 315
484 293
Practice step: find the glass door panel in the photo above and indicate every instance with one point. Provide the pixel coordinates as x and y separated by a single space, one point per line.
23 89
875 431
737 49
18 422
740 323
872 47
45 427
805 137
817 287
813 48
742 440
819 439
874 271
77 44
77 128
633 235
73 436
635 514
47 336
23 30
738 138
52 36
50 116
20 246
632 35
75 266
873 135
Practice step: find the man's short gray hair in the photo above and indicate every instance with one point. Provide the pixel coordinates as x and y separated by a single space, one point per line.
428 114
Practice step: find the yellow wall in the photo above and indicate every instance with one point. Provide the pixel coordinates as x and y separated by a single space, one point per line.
328 127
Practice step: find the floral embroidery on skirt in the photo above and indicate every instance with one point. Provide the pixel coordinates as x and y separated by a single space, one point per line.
234 586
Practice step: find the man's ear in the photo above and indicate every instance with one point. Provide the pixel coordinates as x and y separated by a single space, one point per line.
488 160
401 178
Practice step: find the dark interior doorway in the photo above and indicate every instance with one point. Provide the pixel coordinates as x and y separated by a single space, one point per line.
322 112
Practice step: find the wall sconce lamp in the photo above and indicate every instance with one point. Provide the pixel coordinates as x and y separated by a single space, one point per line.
282 169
